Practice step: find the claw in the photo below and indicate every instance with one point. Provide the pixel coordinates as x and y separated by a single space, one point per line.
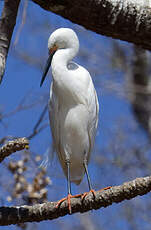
93 192
68 198
86 193
106 188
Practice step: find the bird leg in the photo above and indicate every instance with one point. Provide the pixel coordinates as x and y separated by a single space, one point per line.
69 196
89 182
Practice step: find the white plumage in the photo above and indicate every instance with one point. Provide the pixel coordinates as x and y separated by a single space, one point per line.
73 105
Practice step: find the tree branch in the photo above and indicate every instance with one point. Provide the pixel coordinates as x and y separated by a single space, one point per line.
48 211
7 23
13 146
35 129
127 20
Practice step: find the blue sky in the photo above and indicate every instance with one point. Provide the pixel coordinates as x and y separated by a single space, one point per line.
22 80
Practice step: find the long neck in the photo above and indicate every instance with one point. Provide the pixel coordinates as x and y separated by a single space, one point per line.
61 58
62 77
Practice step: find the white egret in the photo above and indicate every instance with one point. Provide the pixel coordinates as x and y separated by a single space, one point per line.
73 107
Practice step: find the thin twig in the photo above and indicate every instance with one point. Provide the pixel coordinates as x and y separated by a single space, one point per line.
35 129
22 22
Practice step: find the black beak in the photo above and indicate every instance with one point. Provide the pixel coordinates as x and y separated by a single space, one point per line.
48 64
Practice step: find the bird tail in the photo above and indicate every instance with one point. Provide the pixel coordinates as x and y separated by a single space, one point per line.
47 158
77 182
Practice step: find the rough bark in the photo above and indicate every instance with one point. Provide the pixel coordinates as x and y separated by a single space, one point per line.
48 211
7 23
128 20
13 146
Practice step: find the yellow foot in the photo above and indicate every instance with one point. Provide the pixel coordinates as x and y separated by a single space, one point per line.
68 198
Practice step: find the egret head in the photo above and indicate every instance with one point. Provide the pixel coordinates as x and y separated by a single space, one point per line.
62 38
